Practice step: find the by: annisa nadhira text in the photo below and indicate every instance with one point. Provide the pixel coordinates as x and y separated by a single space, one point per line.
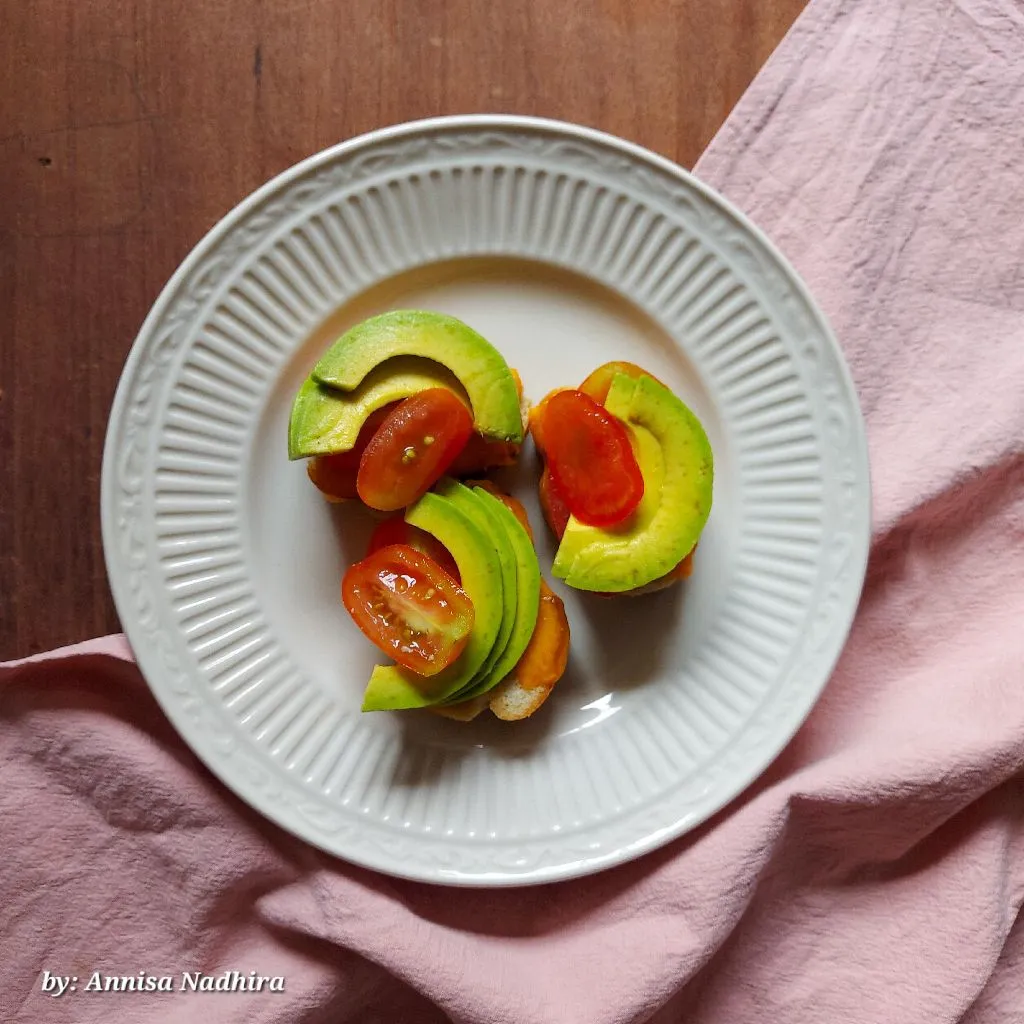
189 981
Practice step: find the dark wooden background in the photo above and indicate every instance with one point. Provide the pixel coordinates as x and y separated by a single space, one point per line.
128 128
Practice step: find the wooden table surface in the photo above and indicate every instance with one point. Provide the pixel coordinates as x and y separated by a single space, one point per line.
128 128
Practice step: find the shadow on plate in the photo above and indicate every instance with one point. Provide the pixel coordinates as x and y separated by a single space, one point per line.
629 636
353 523
433 747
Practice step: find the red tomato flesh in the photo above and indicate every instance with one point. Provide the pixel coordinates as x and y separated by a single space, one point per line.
538 418
396 530
412 449
409 607
590 458
335 475
599 383
553 505
335 480
479 455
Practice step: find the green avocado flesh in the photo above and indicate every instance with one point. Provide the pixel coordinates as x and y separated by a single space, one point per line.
485 517
501 575
325 420
676 462
525 607
391 687
478 365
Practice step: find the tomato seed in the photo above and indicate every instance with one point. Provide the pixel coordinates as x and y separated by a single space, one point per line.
392 582
412 449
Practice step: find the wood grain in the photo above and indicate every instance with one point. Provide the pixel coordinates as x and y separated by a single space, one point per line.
128 129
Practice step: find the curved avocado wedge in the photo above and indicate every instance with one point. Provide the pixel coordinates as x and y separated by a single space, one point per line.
325 421
478 365
391 687
527 600
678 469
485 516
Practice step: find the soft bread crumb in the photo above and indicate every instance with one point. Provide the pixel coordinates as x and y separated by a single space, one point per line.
512 702
524 413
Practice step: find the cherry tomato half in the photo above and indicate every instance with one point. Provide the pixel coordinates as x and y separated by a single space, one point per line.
480 454
590 459
412 449
553 505
395 530
599 383
537 419
409 607
335 475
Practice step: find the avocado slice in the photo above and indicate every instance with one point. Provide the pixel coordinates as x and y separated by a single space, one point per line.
484 515
527 601
477 364
325 420
392 687
678 469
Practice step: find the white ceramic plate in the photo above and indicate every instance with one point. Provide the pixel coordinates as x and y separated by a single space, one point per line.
566 248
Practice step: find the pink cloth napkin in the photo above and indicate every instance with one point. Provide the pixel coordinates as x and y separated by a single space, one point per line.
875 873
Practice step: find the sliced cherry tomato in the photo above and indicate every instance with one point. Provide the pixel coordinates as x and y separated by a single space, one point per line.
480 454
335 475
396 530
537 416
332 477
409 607
590 459
553 505
413 448
599 383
